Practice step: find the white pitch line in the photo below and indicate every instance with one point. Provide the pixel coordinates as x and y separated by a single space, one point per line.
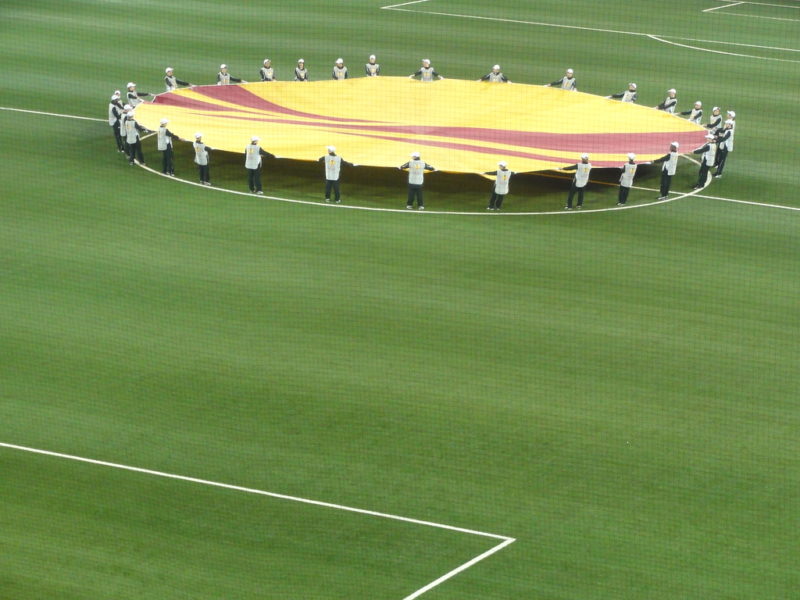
505 540
583 28
459 569
762 4
403 4
766 204
658 39
49 114
730 14
722 6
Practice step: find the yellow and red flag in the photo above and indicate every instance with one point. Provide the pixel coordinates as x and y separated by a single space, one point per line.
456 125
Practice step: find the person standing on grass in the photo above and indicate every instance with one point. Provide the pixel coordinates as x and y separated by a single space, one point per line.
696 114
252 162
668 169
568 82
225 78
171 82
115 110
201 158
300 71
132 130
339 70
626 179
715 121
133 96
579 182
709 152
628 95
416 174
495 76
165 137
426 72
372 68
333 166
501 182
267 72
670 102
724 146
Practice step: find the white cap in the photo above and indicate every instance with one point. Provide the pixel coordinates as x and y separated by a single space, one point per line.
164 121
698 104
729 122
496 67
198 135
300 60
709 136
117 92
254 139
672 91
266 60
331 148
731 114
584 155
168 69
223 66
426 60
415 154
631 156
632 85
502 164
570 71
339 60
372 57
131 84
715 108
676 144
127 107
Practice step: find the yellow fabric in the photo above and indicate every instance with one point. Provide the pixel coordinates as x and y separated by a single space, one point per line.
456 125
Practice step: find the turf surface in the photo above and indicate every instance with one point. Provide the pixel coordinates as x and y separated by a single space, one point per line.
616 391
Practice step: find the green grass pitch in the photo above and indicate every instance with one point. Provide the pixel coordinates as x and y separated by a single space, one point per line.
616 391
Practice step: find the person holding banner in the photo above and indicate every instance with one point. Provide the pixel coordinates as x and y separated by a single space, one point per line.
582 170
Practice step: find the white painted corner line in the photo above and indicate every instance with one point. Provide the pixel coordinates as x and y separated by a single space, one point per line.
504 539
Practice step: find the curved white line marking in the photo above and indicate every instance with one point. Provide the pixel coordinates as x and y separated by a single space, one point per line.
658 39
428 212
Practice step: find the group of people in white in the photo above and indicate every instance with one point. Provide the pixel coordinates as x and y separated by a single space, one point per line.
127 134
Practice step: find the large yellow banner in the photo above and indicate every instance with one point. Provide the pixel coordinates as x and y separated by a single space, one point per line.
458 126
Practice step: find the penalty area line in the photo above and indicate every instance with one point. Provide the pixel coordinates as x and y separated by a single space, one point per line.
698 48
504 539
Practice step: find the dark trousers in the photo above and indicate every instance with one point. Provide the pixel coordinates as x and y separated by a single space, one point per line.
166 161
204 173
254 179
135 151
332 184
118 137
415 191
666 181
572 191
722 156
496 201
703 174
623 194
